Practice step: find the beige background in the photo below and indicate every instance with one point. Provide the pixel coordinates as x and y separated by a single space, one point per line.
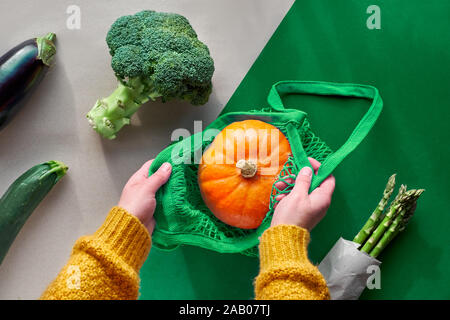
52 124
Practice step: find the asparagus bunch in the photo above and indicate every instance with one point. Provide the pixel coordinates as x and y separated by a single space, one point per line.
381 228
375 217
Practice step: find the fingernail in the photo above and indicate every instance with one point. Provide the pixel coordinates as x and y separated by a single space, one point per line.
306 171
166 166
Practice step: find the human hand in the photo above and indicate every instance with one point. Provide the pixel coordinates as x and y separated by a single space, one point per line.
300 208
138 195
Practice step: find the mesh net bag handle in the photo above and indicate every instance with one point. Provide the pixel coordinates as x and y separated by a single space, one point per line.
327 89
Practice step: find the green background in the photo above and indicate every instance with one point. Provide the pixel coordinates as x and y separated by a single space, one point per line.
408 60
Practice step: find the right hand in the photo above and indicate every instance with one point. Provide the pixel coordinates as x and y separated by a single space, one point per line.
299 207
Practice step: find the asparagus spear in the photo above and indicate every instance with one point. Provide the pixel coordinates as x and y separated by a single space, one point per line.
399 223
375 218
396 206
401 191
410 209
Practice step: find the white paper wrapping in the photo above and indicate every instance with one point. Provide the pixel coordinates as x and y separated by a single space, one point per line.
345 270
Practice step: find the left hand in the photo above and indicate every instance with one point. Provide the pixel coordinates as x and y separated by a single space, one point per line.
138 195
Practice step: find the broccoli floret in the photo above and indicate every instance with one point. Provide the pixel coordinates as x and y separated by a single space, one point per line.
154 55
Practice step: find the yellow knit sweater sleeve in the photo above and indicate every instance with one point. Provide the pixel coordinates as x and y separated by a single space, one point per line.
104 265
285 271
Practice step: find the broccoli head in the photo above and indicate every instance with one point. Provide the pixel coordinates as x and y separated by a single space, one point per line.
154 54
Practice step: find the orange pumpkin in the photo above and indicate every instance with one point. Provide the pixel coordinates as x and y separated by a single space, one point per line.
238 170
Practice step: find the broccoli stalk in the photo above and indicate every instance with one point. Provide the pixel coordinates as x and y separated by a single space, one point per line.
153 55
110 114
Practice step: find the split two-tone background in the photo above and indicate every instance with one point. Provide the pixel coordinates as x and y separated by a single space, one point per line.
407 59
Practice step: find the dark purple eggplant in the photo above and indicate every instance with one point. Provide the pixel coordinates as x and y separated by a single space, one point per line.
21 69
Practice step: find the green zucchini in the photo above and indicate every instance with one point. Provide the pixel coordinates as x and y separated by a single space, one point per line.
23 196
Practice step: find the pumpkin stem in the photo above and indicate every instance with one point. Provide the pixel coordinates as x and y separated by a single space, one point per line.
248 168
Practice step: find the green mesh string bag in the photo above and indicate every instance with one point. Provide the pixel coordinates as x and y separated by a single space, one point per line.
181 215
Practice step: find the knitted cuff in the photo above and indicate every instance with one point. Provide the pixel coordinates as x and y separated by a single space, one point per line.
283 245
126 236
